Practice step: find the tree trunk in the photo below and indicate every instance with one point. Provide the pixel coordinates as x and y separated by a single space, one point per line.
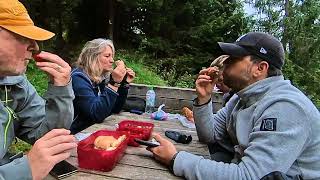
59 38
111 10
285 41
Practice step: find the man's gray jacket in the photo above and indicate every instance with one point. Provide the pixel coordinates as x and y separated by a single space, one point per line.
24 114
273 127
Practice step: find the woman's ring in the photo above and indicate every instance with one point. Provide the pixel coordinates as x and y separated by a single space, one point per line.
58 68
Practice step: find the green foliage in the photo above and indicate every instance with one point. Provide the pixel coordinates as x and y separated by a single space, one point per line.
37 78
304 80
19 146
297 24
303 32
144 74
181 36
181 32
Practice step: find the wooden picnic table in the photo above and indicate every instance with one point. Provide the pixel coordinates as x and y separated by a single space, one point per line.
137 162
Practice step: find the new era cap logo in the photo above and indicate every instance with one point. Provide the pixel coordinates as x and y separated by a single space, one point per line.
263 51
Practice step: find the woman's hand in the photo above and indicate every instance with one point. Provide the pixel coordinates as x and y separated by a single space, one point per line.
119 72
130 75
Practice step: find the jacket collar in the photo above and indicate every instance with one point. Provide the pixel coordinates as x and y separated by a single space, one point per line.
257 90
11 80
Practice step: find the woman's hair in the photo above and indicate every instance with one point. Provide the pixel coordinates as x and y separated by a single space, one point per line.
88 58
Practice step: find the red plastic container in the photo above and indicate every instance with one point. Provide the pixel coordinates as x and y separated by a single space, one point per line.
101 160
136 129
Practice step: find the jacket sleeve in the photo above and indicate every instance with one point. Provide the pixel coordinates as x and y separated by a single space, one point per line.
121 100
267 151
95 107
16 170
211 127
38 116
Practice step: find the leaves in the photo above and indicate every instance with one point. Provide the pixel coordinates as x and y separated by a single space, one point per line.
297 24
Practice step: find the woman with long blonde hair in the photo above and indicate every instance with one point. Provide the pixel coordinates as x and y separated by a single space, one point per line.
99 89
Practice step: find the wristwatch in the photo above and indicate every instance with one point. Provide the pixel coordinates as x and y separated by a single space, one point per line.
124 83
113 82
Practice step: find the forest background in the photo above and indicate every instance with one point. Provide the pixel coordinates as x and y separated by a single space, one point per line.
167 42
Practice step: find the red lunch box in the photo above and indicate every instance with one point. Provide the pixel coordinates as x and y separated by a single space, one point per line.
102 160
136 129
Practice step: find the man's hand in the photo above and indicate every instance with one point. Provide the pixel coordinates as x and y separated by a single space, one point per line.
52 148
164 152
205 83
131 75
58 70
119 72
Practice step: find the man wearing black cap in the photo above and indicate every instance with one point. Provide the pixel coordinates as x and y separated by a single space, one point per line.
271 124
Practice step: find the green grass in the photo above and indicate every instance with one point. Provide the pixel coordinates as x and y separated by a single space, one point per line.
144 75
37 78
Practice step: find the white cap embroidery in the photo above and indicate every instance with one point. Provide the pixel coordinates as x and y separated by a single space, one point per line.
263 51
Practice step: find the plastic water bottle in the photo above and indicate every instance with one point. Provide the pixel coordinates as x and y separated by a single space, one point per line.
150 100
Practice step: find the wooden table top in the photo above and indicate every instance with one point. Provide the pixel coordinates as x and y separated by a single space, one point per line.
137 162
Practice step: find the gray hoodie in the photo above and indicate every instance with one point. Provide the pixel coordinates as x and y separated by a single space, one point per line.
273 127
24 114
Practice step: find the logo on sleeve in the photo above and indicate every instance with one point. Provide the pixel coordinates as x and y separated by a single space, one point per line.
269 124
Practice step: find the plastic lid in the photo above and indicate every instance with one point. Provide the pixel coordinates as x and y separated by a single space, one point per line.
150 87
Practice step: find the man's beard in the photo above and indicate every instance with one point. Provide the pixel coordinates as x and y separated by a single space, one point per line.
237 83
12 70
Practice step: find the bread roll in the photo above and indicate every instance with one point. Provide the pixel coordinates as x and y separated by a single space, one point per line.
188 114
217 66
218 62
108 142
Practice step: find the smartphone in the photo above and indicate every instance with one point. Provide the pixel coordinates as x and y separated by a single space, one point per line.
63 169
147 143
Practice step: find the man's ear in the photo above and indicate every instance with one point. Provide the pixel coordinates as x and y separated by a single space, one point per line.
262 69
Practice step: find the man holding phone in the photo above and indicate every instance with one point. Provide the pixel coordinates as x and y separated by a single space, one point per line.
23 113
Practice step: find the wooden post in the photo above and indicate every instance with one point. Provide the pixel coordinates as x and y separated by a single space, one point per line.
111 11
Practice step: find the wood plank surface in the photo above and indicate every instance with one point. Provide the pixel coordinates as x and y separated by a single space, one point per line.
137 162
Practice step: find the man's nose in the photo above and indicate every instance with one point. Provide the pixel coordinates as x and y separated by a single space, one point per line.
33 46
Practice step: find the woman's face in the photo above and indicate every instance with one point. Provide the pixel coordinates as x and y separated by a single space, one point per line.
106 59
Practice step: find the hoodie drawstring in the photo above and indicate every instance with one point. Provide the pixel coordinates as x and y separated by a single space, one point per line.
11 115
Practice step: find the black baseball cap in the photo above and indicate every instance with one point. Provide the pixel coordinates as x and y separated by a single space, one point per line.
263 45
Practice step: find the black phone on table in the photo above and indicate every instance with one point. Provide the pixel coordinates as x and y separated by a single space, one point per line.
63 169
147 143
